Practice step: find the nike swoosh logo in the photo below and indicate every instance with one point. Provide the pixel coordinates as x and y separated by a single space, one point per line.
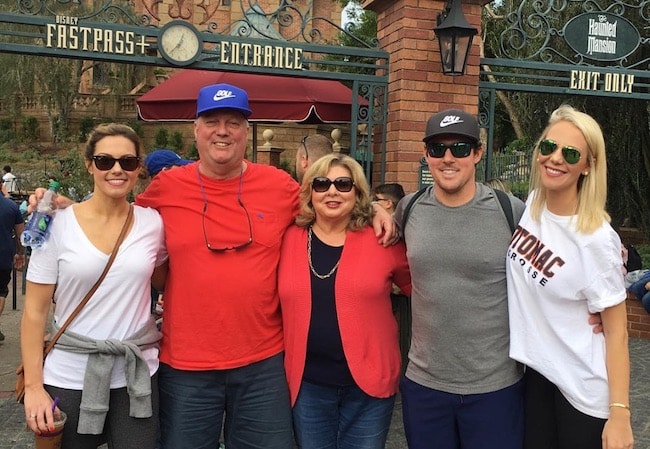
222 96
450 120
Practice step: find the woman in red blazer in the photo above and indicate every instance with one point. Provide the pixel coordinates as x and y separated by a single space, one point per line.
341 339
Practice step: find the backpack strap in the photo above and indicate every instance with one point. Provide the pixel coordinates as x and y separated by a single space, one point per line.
502 197
409 206
506 206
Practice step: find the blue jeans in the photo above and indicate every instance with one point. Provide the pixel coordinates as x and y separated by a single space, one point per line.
435 419
254 399
329 417
638 289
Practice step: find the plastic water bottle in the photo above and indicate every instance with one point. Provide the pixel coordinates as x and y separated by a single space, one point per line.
35 232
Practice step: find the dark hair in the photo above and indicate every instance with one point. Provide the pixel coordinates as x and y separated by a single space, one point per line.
393 190
111 129
6 168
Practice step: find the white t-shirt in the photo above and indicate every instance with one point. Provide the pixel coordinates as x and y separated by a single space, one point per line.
122 303
9 181
556 276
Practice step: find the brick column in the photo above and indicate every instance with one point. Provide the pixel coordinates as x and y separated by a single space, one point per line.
417 88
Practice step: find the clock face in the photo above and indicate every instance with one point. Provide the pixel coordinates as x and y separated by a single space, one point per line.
179 43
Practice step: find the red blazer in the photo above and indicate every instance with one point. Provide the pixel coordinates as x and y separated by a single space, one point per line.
363 284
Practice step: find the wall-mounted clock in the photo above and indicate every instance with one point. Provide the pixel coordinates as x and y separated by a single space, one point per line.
180 43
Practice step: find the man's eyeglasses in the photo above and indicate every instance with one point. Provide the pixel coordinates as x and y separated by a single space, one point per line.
382 199
205 210
322 184
458 149
303 142
570 154
128 163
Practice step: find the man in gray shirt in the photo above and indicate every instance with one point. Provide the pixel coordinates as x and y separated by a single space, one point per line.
461 389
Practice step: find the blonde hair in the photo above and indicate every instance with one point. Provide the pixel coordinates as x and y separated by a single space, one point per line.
362 211
497 184
592 189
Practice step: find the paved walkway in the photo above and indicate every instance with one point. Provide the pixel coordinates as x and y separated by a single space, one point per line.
13 433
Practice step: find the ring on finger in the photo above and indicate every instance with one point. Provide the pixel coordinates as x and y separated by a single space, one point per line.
32 416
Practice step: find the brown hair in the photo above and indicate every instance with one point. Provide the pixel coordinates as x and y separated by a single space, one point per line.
111 129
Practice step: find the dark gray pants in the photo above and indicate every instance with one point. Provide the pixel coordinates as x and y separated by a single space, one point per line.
120 430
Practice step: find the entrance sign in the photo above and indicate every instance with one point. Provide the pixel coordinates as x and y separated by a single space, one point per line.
602 36
224 36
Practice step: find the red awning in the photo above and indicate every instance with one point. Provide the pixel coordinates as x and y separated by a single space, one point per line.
272 98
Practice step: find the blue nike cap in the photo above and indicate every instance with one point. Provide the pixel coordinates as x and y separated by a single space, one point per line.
222 96
160 159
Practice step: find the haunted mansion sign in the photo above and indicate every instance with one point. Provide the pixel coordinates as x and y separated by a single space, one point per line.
602 37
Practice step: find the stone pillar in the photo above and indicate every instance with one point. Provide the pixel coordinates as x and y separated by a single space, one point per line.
417 88
267 153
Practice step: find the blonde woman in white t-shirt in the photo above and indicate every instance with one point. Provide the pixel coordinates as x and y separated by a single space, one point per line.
564 262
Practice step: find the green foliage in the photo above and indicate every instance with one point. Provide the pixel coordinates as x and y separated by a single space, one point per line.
644 251
161 138
29 130
361 31
193 153
73 175
519 189
524 145
7 133
85 127
176 142
288 166
137 127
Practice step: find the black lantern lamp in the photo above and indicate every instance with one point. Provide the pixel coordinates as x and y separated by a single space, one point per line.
455 36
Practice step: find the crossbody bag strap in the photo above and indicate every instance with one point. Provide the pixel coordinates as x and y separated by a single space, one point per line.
91 292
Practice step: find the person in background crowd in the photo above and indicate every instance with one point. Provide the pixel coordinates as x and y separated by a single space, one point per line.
311 149
388 195
12 254
8 179
162 159
498 184
342 356
104 367
461 389
564 262
640 289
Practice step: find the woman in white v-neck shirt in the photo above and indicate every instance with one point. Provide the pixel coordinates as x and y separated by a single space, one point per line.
563 263
103 368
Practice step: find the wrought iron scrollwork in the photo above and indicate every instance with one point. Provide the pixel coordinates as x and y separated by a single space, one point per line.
108 12
289 21
535 31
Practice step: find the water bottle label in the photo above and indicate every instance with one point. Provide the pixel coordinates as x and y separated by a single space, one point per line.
43 222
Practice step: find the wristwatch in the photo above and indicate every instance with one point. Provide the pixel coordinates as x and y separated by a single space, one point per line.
180 43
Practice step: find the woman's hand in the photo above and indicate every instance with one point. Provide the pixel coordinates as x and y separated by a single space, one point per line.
60 201
38 410
617 433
